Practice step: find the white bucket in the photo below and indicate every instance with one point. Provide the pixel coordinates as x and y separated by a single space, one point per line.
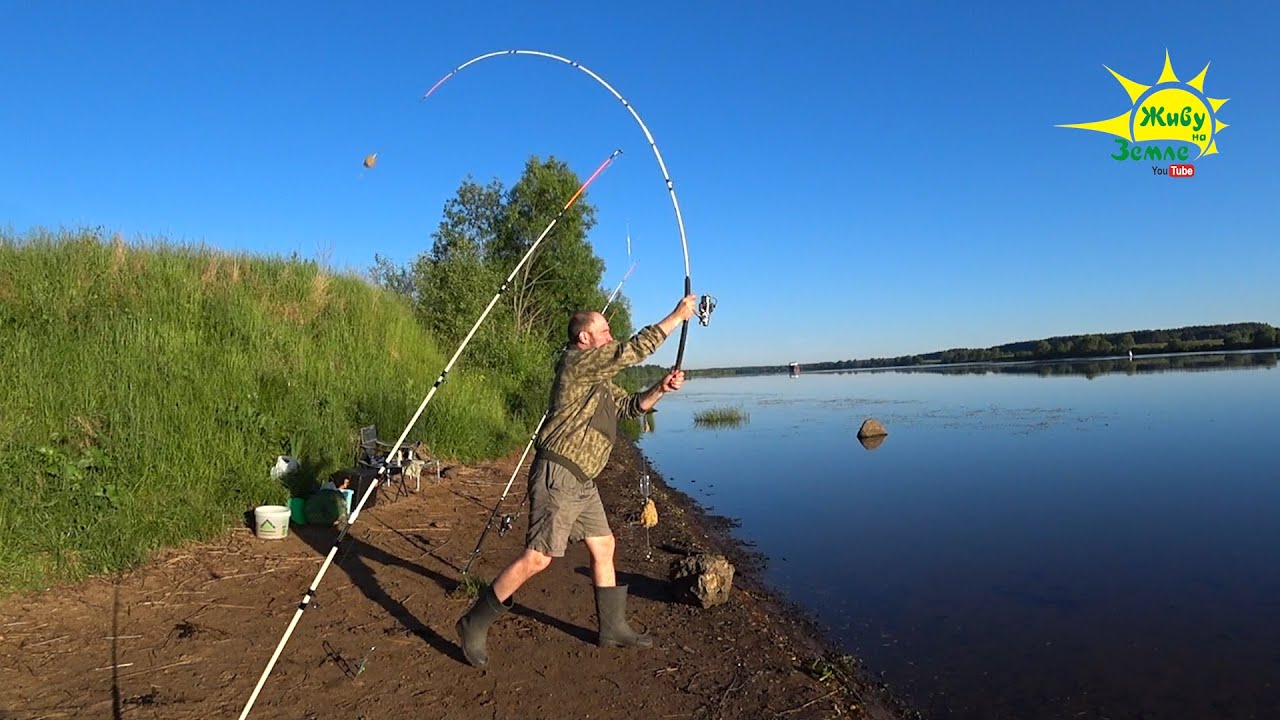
271 522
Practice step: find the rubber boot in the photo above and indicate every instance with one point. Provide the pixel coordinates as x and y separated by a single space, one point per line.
473 628
611 609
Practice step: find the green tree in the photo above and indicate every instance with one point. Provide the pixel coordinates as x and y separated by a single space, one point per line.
1127 343
564 273
618 315
389 276
485 230
1264 337
452 282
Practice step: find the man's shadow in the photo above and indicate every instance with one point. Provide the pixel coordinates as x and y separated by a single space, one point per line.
641 586
353 551
574 631
351 557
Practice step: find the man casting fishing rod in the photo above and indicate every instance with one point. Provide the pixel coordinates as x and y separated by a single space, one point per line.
564 502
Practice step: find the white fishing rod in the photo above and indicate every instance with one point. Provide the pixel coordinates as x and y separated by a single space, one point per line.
624 277
382 469
617 289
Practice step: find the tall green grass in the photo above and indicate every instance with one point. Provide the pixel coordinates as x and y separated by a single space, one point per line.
148 389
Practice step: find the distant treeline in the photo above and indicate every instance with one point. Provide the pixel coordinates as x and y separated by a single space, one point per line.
1195 338
1094 368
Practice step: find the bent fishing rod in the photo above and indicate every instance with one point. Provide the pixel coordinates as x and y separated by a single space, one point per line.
382 469
708 302
506 521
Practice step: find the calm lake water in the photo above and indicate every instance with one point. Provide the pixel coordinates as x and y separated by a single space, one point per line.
1037 544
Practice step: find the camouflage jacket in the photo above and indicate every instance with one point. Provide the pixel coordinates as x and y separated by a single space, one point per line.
582 421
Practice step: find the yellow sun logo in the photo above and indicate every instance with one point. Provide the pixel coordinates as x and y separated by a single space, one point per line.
1170 110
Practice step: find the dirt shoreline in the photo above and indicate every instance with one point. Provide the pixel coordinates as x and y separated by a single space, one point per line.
188 634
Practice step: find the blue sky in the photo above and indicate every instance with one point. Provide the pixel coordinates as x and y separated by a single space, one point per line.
857 180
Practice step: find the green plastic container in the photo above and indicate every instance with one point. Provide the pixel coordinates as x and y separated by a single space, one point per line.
297 510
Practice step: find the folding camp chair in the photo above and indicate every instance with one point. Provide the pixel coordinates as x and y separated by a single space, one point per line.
410 459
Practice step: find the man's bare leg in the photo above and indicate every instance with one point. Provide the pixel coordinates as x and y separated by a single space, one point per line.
601 549
611 600
530 563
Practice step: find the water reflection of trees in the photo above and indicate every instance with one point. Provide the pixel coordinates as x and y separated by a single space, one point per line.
1091 368
634 428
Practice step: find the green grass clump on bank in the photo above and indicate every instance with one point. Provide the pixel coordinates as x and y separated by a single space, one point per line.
148 390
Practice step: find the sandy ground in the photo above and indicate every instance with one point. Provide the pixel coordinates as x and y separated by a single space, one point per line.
188 634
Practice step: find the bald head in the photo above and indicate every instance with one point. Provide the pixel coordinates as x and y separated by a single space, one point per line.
588 329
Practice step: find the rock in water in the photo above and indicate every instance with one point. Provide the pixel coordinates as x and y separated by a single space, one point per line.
872 442
702 579
871 427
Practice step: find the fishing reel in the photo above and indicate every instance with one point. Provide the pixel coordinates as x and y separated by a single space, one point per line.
505 527
705 306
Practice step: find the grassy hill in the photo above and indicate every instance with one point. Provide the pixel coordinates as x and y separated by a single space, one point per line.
149 389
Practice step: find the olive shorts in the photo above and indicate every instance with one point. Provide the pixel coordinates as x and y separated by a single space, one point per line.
562 509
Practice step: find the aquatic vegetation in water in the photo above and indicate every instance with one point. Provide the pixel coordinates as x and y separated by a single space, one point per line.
721 417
